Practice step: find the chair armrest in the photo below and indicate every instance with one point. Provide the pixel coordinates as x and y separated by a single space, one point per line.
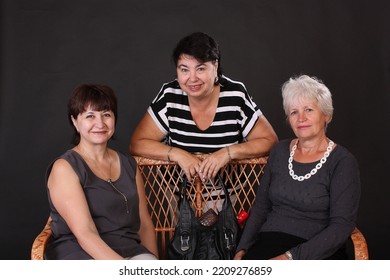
360 245
39 244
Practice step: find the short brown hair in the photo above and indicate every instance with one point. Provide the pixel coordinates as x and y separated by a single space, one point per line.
99 97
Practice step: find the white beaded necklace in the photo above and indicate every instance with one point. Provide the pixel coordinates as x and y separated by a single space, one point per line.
315 169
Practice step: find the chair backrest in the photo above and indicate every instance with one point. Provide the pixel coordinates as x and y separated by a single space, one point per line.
161 179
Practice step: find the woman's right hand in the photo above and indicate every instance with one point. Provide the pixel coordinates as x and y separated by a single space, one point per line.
239 255
188 162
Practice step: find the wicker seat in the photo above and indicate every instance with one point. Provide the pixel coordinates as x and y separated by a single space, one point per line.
161 179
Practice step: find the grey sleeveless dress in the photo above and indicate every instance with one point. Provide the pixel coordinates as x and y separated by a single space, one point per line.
117 221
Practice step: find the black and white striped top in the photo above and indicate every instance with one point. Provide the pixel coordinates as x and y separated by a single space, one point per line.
236 115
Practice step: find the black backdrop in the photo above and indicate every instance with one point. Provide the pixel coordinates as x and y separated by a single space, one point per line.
48 47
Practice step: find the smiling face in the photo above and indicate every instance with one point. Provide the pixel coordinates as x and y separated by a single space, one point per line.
196 78
306 119
95 127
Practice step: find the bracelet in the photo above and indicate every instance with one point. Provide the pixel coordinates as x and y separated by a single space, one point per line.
288 255
169 153
228 151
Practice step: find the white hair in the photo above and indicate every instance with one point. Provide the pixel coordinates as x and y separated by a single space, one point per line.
308 88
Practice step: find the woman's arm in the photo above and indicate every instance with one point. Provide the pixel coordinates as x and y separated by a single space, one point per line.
258 143
68 198
146 142
146 231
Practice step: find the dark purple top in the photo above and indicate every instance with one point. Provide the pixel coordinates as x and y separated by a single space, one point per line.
108 208
322 209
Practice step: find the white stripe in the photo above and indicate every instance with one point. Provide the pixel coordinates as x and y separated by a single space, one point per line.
215 123
235 82
228 108
248 102
208 135
219 123
179 106
250 125
202 145
162 115
232 93
170 90
181 120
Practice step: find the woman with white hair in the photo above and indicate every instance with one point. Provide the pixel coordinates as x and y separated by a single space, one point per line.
307 202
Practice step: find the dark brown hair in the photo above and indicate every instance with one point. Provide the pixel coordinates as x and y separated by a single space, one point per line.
99 97
201 46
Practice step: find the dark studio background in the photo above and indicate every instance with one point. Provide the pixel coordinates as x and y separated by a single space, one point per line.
49 47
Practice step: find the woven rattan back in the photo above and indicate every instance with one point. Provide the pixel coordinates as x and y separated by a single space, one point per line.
162 180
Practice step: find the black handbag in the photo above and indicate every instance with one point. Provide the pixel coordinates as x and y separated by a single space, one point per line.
211 237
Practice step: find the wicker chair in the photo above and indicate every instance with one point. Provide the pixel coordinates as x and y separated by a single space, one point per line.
160 181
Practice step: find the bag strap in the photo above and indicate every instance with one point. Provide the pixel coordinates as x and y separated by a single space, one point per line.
227 201
185 219
228 219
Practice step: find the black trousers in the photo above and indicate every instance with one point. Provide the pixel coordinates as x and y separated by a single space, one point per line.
272 244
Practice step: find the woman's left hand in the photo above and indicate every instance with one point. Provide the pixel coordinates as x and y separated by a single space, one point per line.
281 257
213 163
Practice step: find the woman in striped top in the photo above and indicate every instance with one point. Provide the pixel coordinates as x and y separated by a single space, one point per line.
202 111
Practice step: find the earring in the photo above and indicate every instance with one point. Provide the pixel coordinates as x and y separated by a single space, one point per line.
216 80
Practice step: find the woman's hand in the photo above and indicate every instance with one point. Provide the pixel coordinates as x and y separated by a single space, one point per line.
281 257
188 162
213 163
239 255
